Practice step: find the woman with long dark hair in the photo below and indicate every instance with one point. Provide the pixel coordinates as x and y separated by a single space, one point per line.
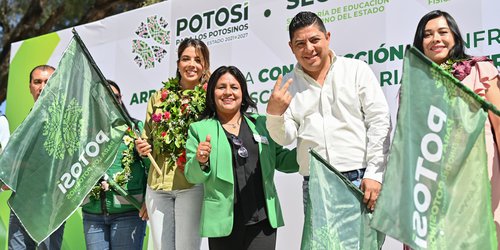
231 153
439 38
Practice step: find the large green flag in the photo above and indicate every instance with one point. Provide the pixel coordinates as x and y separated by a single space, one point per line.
436 192
66 143
336 217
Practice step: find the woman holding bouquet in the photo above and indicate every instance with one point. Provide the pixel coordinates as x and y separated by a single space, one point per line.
438 37
232 154
174 204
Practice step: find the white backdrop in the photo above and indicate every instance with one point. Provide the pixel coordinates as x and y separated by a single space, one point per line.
253 36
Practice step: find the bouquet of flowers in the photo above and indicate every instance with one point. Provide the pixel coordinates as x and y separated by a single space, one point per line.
178 108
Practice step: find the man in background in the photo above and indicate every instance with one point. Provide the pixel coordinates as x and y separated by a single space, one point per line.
18 237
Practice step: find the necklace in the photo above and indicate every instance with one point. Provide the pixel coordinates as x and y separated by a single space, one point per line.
233 125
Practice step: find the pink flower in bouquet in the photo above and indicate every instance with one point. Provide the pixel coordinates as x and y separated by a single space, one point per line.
205 86
163 134
156 118
166 115
164 95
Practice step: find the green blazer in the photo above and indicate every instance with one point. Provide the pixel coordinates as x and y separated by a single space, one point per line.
218 180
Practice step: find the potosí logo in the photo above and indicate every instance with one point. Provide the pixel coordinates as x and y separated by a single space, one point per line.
431 149
150 47
92 149
212 19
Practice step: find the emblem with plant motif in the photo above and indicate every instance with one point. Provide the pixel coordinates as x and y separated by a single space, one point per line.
62 129
154 31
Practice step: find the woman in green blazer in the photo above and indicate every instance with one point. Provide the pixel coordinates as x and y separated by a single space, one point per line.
232 154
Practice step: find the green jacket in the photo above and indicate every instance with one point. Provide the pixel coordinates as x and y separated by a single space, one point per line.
218 180
136 186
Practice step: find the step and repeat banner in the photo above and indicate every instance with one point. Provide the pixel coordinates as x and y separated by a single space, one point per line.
137 49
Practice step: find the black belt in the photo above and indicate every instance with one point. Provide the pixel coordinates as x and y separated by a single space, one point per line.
350 175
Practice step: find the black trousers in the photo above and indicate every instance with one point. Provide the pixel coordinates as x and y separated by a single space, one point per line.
259 236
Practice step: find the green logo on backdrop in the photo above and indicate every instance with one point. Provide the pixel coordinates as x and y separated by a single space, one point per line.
62 130
154 30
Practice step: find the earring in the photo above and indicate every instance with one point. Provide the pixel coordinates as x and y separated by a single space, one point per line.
204 76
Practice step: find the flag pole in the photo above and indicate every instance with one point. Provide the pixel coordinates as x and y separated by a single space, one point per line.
124 193
150 157
318 157
103 79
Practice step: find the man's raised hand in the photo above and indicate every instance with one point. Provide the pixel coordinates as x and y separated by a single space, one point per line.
280 98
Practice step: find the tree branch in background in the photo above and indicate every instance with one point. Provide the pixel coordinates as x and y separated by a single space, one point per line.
20 20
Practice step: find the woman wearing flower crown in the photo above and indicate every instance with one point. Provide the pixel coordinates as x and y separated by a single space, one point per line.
111 221
174 204
232 154
439 38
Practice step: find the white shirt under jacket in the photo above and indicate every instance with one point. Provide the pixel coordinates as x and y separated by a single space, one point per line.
346 121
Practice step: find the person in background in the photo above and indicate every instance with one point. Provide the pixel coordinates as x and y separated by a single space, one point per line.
4 131
110 221
174 204
4 138
231 153
439 38
18 237
335 106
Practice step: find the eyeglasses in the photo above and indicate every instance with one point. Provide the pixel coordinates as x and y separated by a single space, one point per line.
242 151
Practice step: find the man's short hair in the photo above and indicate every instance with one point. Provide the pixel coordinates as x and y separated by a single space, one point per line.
305 19
43 67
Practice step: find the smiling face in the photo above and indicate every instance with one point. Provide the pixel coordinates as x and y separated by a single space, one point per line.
438 40
227 95
310 47
191 67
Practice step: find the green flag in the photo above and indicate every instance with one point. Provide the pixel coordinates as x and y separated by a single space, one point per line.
336 217
436 192
65 144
